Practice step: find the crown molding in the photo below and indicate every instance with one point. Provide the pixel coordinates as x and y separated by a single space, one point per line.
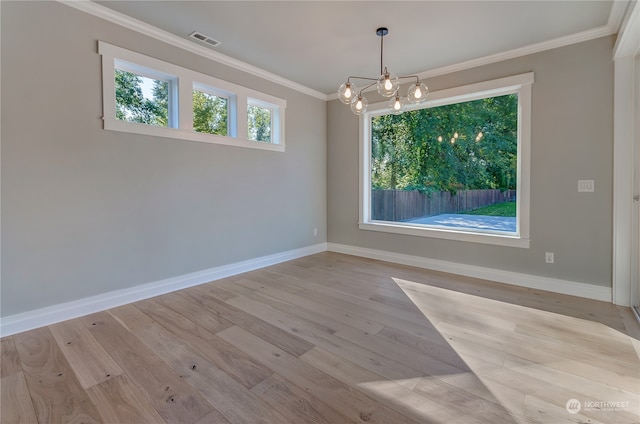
579 37
121 19
628 42
618 11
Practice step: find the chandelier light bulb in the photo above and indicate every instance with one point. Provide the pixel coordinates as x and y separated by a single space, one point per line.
347 92
417 93
387 84
397 105
359 105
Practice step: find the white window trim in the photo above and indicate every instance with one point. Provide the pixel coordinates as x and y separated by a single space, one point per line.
183 81
275 115
232 107
520 84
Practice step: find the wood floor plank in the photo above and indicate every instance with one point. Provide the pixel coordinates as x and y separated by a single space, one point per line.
120 401
9 361
17 407
55 391
212 320
225 394
490 390
231 360
623 376
203 304
348 401
544 412
171 397
440 347
581 386
233 400
445 361
295 404
308 308
390 393
551 393
213 417
319 336
411 320
90 362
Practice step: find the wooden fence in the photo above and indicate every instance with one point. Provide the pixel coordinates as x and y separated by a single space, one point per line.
402 205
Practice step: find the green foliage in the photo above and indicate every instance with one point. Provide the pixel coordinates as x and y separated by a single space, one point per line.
132 106
209 113
499 209
470 145
259 124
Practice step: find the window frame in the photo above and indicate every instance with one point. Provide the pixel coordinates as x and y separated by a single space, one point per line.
182 83
519 84
231 105
274 115
171 80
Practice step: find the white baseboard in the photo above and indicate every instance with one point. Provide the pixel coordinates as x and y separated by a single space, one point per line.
572 288
50 315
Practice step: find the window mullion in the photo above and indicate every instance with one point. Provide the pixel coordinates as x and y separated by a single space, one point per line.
185 103
242 116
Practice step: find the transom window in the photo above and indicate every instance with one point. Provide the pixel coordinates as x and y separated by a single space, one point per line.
210 112
141 99
144 95
455 167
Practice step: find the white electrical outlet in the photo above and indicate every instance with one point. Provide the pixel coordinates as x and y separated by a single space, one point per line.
548 257
586 186
315 232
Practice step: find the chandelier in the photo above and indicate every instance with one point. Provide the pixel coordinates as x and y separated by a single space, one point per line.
387 85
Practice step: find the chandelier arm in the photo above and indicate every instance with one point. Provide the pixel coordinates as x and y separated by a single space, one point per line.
370 85
362 78
410 76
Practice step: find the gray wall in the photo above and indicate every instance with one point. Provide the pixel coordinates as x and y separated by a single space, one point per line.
87 211
571 139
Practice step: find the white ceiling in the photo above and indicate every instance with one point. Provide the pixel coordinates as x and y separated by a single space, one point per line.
319 43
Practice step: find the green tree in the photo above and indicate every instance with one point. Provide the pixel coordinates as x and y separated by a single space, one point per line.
129 97
470 145
259 124
209 113
132 106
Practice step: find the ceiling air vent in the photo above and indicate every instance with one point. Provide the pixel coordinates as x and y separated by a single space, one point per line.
204 38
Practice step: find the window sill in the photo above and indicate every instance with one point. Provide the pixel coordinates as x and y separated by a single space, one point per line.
498 239
176 133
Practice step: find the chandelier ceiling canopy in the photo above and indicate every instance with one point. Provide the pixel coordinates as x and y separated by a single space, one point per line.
387 85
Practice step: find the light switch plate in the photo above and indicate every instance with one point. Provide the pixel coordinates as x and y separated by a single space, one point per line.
586 186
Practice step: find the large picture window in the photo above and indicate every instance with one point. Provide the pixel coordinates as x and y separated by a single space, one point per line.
456 167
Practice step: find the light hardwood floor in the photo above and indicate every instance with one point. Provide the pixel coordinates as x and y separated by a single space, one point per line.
332 339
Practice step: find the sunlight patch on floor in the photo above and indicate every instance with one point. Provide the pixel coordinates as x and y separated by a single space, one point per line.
473 325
